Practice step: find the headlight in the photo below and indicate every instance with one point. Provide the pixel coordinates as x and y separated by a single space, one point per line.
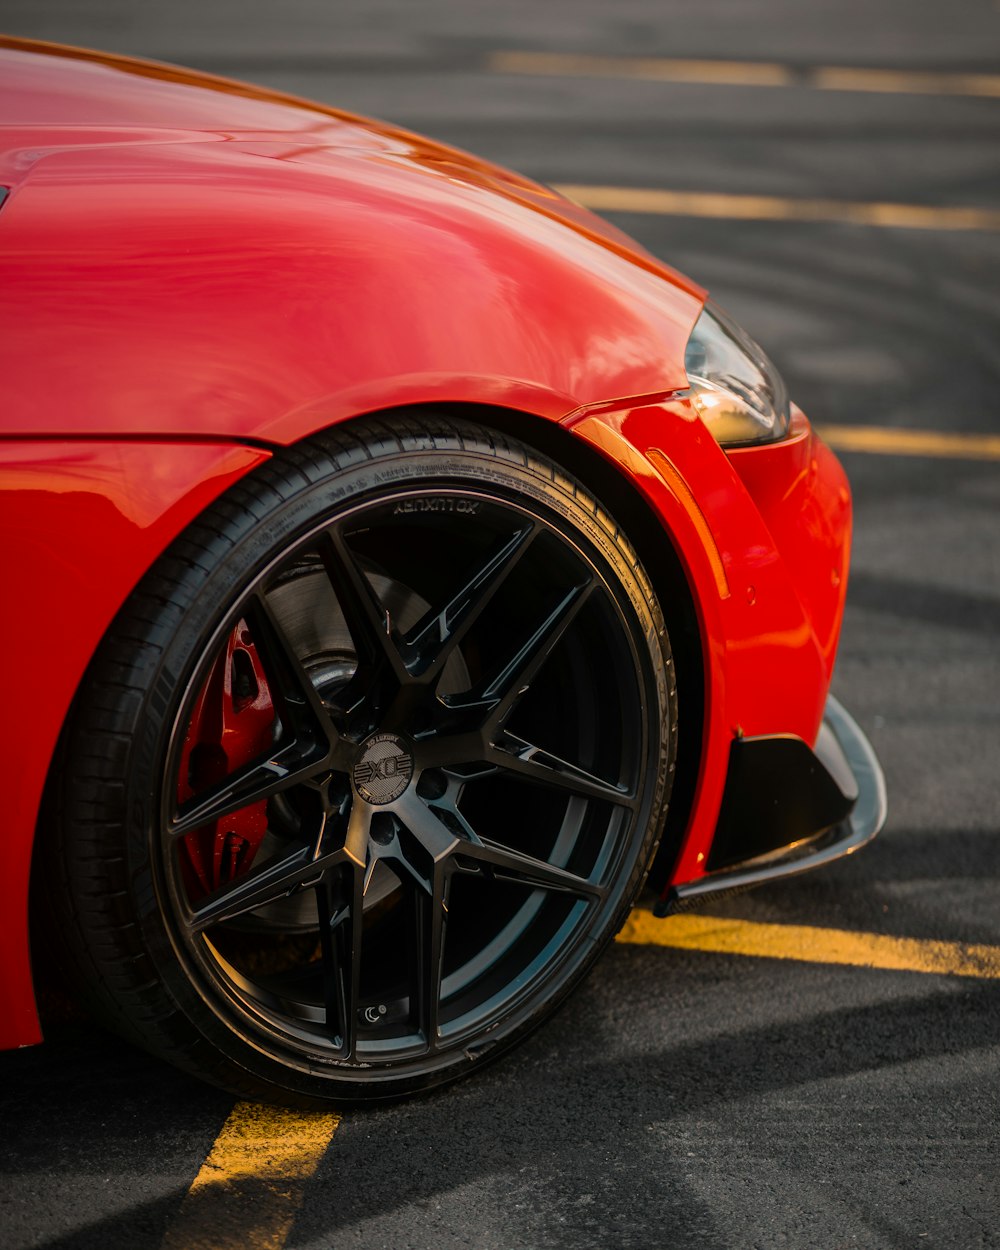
737 391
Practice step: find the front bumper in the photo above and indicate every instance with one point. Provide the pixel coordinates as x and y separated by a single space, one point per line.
787 809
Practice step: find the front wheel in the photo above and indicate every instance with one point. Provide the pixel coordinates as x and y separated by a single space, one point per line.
369 769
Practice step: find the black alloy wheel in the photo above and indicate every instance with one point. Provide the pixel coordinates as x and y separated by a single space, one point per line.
400 722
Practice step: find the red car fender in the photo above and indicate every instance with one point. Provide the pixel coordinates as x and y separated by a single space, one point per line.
768 625
79 525
802 493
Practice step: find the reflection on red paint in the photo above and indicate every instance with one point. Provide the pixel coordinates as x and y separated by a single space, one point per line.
79 525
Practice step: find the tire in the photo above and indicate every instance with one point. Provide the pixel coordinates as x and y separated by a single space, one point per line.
369 768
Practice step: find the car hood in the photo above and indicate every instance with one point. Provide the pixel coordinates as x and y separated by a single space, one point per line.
203 257
123 100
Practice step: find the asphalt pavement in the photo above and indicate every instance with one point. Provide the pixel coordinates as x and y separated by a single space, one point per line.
682 1097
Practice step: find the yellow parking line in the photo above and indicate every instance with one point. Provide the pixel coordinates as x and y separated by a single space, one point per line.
746 73
780 208
653 68
800 942
904 82
881 440
250 1187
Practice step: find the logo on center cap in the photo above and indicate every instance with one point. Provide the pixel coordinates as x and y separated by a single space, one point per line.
383 769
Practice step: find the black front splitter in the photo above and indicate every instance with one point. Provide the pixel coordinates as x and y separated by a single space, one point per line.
845 764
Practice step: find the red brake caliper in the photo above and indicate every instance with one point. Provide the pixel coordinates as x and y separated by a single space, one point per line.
232 724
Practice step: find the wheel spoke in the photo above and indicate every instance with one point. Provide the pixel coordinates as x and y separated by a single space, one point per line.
280 877
542 767
358 826
468 833
522 668
492 704
289 765
307 744
367 622
340 906
431 917
432 641
516 866
274 881
436 839
301 709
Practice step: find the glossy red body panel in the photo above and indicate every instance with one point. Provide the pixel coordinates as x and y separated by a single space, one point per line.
227 287
802 494
770 631
197 264
79 525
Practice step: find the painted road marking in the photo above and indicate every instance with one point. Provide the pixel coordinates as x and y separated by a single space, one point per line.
882 440
904 82
780 208
747 73
652 68
806 944
250 1187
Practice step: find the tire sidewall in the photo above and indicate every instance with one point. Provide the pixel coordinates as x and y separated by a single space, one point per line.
254 527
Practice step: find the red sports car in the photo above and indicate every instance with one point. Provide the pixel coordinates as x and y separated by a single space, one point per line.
401 564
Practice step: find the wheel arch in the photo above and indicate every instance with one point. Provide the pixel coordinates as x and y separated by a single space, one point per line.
658 554
657 551
385 438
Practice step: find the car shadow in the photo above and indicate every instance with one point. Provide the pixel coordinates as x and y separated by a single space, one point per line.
566 1123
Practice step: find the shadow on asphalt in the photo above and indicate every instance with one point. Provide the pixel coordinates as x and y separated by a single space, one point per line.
552 1108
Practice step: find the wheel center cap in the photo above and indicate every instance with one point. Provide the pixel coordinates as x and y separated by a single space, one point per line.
383 769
